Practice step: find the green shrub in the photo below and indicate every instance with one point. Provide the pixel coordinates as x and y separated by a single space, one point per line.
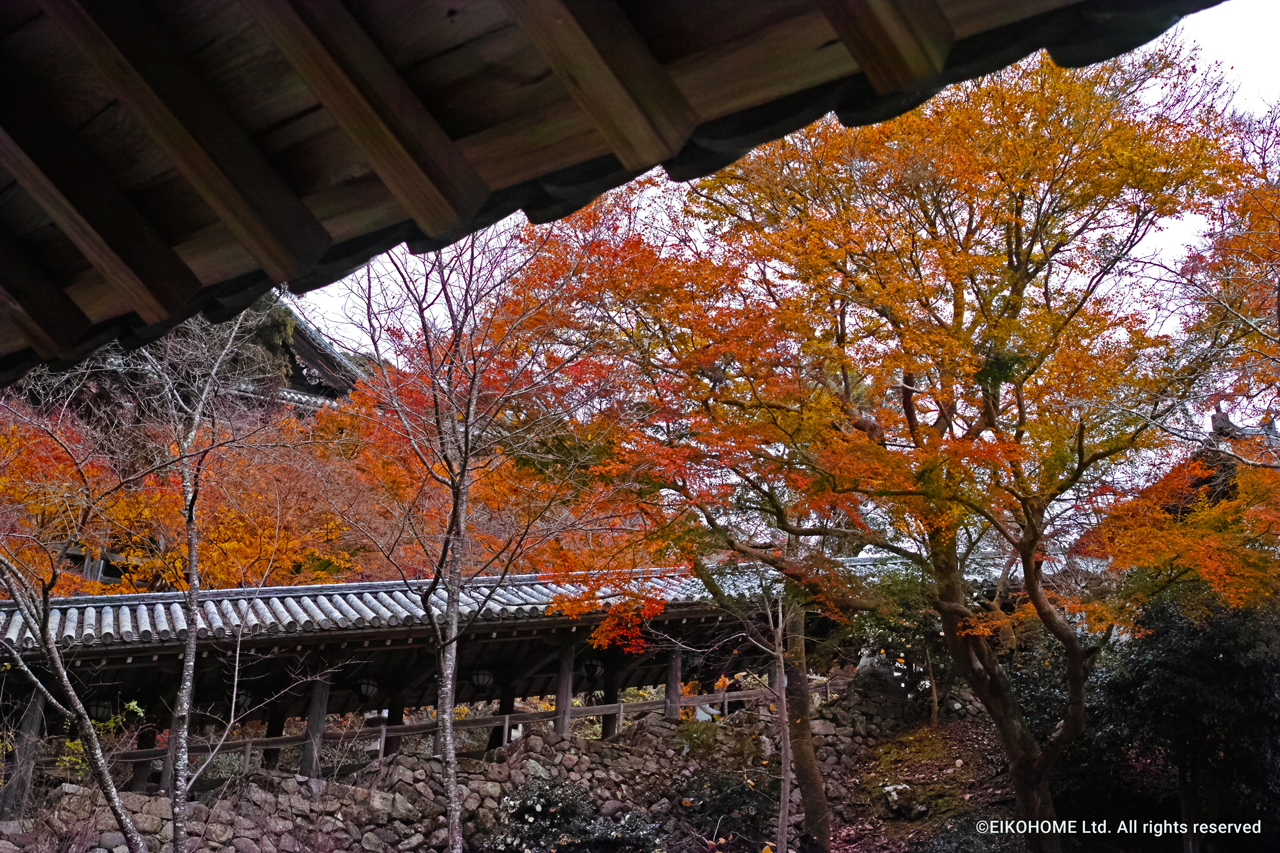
542 818
739 807
698 736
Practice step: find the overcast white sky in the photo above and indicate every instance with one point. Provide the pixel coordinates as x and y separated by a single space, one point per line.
1240 34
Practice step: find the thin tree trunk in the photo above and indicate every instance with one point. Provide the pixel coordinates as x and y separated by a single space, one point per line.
933 688
180 729
444 719
93 751
1188 798
815 831
37 616
449 665
784 745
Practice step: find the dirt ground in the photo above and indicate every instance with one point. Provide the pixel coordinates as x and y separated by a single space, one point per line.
955 774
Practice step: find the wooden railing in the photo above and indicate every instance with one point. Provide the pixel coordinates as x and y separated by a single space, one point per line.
506 721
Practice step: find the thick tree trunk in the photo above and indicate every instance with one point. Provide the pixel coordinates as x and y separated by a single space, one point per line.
1031 790
815 831
1029 765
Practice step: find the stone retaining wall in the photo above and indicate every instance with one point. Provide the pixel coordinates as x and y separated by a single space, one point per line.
397 803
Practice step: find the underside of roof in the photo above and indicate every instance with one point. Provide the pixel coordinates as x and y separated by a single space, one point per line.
122 647
160 158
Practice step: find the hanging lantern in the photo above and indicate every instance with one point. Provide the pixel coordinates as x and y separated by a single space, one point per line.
482 678
592 668
244 701
99 710
367 688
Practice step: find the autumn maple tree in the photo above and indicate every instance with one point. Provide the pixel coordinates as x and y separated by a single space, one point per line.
1228 299
168 460
923 338
468 451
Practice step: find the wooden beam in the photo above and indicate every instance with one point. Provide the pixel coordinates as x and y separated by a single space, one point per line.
89 208
33 301
611 73
369 100
897 43
184 119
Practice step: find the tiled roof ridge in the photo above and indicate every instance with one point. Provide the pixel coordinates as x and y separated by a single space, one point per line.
350 587
297 610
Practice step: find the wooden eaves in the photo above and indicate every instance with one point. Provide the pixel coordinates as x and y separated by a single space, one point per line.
160 158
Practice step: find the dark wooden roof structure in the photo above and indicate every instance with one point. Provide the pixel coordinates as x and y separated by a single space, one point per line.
160 158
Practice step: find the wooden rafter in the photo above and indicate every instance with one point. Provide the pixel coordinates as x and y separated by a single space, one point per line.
369 100
425 107
184 119
897 43
89 208
612 75
32 300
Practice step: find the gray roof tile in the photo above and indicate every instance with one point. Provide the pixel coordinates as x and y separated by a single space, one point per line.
158 617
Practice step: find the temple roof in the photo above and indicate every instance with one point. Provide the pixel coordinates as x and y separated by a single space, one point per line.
126 623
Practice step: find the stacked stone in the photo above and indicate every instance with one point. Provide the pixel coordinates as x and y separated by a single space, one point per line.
81 816
397 804
961 703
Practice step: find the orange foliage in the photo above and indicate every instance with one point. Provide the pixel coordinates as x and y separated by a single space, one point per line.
1206 524
255 523
480 444
887 336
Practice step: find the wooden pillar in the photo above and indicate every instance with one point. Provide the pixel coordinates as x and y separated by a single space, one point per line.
395 717
142 769
506 705
310 764
17 784
276 716
673 686
564 689
610 723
